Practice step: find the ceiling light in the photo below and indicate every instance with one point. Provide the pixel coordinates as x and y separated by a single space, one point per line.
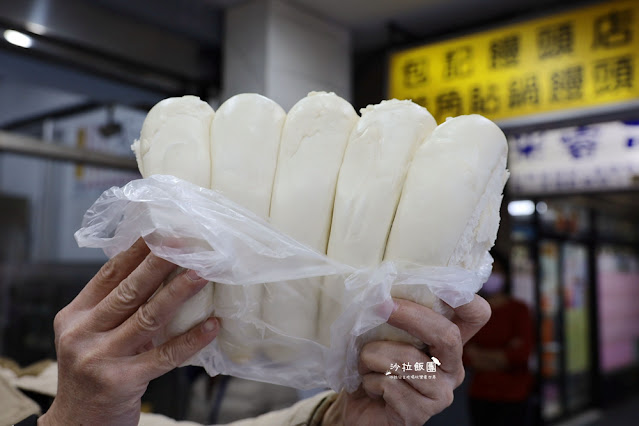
521 208
17 38
542 207
35 28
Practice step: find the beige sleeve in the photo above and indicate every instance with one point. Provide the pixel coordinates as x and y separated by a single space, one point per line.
14 405
309 412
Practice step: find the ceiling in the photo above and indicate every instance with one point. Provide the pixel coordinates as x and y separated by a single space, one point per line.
420 19
176 36
367 19
198 19
175 45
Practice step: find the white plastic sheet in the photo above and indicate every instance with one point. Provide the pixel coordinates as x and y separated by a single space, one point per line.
200 229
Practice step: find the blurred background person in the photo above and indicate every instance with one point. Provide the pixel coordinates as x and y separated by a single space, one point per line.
501 384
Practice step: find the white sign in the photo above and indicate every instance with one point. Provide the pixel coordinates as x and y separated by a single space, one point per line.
594 157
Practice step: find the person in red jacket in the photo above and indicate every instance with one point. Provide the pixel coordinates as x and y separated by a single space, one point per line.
498 355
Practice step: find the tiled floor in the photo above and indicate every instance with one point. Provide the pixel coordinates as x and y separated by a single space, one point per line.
625 414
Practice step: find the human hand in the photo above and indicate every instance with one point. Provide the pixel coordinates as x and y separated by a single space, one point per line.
103 339
382 400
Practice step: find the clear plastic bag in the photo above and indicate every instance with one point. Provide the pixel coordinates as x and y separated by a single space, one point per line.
200 229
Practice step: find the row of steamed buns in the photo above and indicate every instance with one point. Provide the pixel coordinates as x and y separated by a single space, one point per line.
389 185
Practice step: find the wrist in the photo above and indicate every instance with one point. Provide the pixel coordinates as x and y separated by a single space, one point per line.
61 414
49 418
56 416
333 416
44 421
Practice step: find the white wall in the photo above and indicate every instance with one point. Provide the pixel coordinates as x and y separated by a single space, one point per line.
305 53
244 52
278 50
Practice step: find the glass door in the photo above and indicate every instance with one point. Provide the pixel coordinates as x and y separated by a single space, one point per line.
576 316
550 330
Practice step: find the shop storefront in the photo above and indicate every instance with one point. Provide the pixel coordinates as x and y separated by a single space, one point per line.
574 236
565 90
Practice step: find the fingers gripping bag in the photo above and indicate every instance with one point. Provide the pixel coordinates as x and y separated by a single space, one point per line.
307 224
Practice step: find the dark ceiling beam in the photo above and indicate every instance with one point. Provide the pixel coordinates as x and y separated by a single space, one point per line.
195 19
84 34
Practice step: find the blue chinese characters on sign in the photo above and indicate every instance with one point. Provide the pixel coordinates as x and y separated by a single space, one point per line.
631 141
528 144
592 157
581 141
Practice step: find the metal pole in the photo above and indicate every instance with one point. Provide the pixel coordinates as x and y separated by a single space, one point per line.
26 145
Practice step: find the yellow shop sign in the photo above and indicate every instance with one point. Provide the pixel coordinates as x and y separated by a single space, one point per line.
578 59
